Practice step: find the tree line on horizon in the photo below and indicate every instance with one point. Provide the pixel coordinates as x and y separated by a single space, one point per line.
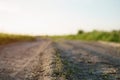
95 35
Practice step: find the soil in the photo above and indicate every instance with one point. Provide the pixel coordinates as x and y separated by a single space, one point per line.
26 61
81 60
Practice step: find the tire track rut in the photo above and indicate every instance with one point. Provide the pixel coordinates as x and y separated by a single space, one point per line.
19 61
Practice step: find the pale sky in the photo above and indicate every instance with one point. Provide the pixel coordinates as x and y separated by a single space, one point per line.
52 17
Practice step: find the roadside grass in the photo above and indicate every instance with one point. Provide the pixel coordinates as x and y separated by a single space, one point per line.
10 38
64 69
113 36
58 69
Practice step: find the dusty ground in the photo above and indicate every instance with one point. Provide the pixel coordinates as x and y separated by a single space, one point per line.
43 60
26 61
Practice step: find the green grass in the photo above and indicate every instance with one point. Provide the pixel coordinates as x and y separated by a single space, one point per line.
10 38
113 36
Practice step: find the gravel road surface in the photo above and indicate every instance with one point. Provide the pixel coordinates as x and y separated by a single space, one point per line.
24 61
81 61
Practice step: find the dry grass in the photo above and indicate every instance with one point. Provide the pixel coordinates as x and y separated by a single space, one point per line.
10 38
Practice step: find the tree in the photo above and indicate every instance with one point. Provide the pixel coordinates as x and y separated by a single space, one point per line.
80 32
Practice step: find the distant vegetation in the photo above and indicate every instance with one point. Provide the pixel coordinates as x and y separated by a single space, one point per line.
10 38
113 36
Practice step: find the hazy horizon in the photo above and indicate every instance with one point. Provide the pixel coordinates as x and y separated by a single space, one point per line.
57 17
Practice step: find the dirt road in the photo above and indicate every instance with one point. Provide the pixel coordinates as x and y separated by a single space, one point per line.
78 60
24 61
89 60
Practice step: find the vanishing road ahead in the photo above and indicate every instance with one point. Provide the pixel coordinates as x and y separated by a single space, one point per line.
32 60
